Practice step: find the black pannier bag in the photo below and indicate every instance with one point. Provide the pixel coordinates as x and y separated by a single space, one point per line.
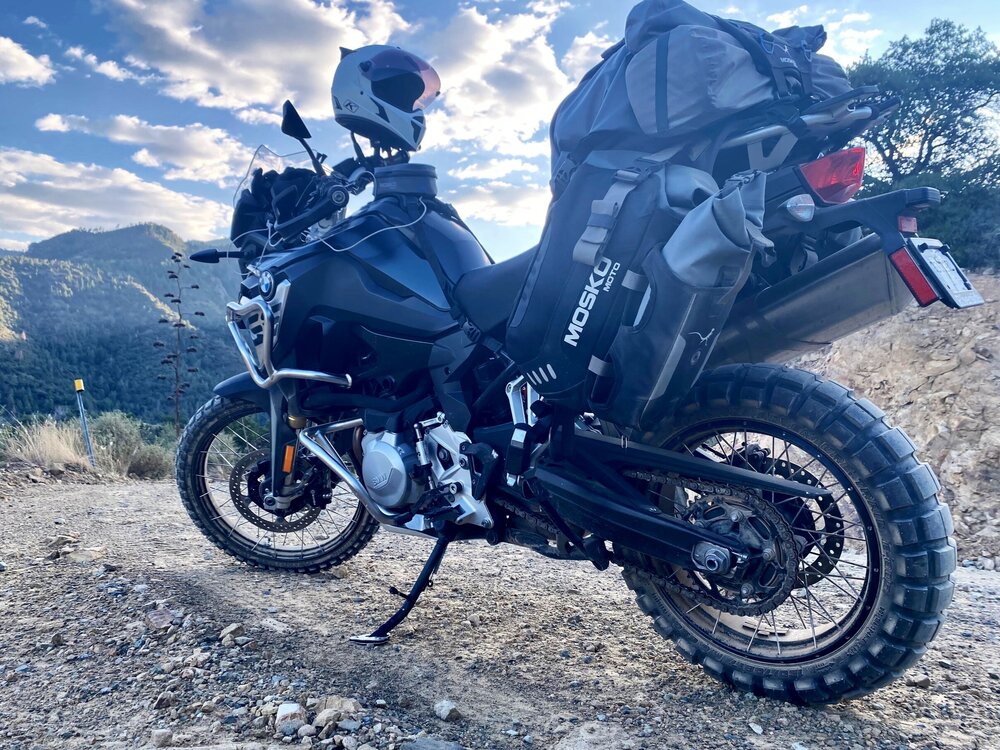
642 255
619 320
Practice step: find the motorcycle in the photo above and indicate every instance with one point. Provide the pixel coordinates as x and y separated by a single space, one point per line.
777 528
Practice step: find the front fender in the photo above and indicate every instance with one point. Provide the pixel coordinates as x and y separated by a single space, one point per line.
242 388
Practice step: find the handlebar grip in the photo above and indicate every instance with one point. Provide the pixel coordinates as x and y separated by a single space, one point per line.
336 200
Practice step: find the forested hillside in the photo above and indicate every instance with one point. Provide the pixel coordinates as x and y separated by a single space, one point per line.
89 304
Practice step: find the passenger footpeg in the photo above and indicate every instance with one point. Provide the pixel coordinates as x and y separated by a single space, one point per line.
381 635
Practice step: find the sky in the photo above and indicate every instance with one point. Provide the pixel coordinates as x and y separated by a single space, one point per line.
114 112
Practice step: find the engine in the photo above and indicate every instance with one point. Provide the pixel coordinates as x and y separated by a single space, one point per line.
425 474
387 470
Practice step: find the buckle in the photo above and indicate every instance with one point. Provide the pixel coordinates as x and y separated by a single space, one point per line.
631 176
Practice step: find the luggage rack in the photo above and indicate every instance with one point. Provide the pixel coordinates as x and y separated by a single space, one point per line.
831 117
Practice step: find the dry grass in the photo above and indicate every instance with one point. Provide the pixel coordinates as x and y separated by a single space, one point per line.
44 444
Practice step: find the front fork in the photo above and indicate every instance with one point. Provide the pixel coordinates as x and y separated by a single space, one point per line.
284 444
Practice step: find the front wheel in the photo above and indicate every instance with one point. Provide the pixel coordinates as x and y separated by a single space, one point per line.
874 558
223 464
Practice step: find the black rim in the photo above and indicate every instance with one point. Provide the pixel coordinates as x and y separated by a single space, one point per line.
839 572
228 460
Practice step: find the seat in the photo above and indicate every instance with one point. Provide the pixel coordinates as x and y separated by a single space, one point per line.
487 295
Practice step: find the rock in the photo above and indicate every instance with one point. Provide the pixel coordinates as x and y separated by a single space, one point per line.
343 705
430 743
2 566
756 728
307 730
159 619
161 737
289 718
326 716
349 725
993 674
446 710
919 680
58 639
232 631
164 700
90 554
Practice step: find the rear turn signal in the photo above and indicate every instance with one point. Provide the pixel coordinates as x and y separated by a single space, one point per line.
838 177
914 278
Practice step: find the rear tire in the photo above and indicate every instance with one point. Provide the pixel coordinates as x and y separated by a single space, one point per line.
910 537
207 423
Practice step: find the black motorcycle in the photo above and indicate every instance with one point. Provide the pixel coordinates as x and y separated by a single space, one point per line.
776 527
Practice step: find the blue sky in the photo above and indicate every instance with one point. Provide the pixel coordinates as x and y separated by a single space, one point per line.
118 111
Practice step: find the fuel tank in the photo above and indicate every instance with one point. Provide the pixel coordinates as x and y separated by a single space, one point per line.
377 280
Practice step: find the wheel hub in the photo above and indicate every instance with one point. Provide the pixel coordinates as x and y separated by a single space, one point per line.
767 576
248 486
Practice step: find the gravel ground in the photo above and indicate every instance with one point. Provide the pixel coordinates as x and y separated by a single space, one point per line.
115 632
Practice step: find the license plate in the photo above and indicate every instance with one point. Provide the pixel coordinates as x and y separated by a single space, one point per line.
944 273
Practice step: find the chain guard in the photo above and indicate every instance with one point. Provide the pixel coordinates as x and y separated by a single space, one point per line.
252 471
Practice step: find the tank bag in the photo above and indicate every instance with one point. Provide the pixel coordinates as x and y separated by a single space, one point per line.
619 320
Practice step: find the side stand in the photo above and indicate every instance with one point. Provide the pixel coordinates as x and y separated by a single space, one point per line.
381 635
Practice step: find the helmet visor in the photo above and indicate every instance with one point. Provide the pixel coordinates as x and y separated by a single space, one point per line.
403 80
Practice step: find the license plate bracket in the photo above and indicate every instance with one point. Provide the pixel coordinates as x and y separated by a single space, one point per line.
935 260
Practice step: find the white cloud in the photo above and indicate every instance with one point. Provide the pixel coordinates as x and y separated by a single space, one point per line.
255 116
187 152
40 196
493 169
848 38
505 204
788 17
501 82
17 65
35 21
108 68
240 54
584 53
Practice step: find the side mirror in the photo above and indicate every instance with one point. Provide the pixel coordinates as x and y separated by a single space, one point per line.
291 123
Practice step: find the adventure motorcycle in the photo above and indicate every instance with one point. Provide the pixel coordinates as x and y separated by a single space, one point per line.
776 527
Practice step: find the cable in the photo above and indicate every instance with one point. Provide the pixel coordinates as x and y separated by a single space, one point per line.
378 231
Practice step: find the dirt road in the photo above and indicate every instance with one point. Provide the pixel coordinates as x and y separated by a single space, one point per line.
534 653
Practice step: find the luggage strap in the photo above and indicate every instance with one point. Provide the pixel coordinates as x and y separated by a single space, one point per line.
604 212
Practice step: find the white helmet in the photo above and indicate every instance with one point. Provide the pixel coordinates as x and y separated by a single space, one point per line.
380 93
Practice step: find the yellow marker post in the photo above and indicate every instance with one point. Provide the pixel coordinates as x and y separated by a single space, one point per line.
78 384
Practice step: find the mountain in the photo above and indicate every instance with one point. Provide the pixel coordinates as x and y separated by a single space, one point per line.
89 305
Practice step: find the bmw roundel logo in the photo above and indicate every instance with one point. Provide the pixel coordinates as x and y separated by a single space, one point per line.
266 284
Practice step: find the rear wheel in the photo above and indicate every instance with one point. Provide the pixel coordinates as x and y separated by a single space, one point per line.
222 469
874 559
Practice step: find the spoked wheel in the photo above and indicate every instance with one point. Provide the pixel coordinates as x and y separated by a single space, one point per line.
871 562
223 470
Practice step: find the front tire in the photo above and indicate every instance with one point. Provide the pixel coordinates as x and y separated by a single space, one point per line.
898 514
236 432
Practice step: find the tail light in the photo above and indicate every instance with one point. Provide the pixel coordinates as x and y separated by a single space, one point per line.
838 177
915 280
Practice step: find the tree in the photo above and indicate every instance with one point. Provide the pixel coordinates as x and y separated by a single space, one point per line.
948 82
